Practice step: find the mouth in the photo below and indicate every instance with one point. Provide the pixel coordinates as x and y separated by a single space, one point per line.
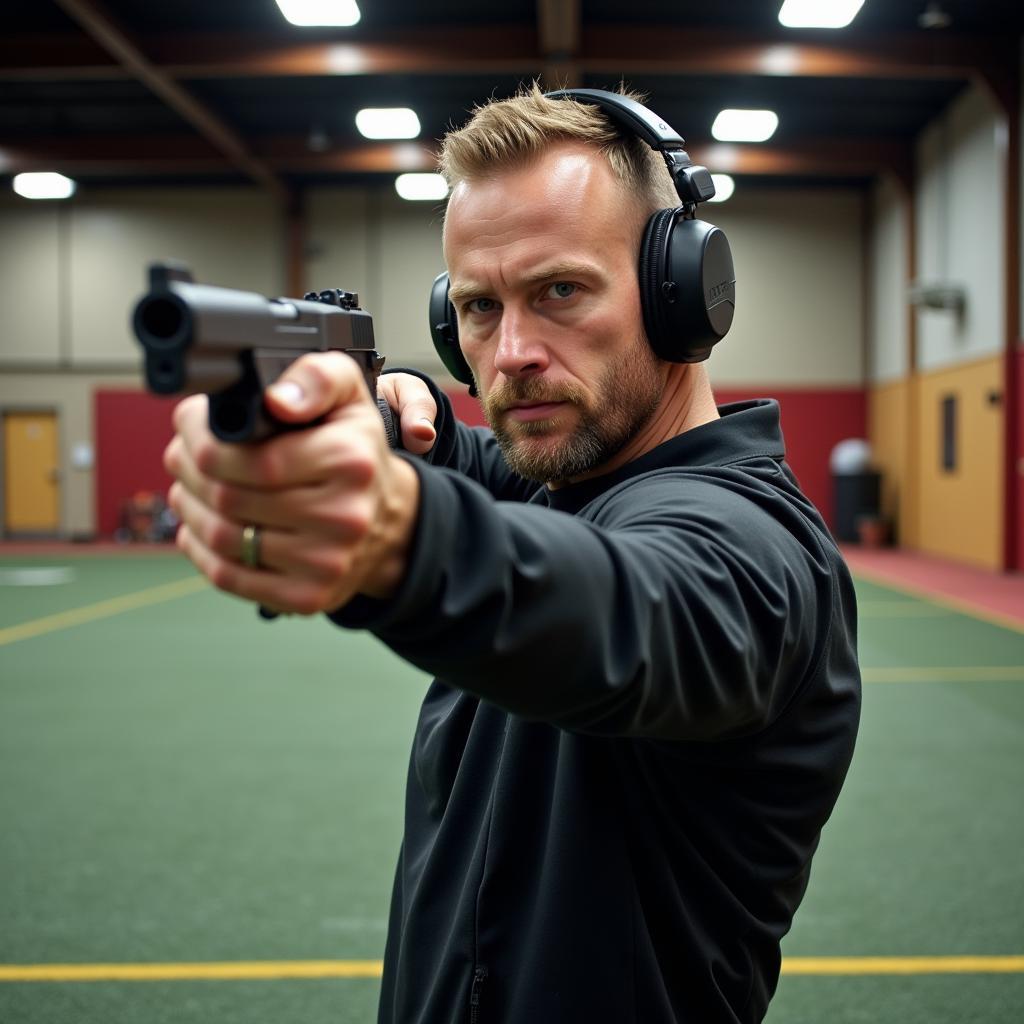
524 412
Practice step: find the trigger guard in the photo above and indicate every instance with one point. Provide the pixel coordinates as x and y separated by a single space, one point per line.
392 425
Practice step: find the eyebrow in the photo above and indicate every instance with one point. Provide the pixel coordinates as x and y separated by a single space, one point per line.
460 293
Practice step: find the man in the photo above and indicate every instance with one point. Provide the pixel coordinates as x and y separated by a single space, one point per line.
643 636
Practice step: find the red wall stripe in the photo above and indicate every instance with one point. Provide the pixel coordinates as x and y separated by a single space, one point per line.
814 421
132 429
465 408
1016 471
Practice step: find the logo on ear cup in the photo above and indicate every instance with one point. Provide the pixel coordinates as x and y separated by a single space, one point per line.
720 292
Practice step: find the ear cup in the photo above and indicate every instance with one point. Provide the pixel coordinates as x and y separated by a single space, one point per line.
687 286
444 331
653 249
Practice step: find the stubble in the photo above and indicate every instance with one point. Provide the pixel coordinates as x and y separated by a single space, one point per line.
625 398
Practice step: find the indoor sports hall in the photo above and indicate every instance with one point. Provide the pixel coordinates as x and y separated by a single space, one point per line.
200 808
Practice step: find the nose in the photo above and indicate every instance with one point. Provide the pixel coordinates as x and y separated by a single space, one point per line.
521 351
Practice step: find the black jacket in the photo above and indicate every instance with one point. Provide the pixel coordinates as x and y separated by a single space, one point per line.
646 701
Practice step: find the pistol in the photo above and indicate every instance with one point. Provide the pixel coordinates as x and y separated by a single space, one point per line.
233 345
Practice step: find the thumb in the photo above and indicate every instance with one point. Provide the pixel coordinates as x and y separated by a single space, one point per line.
315 385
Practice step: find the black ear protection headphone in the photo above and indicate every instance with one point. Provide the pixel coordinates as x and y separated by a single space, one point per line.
687 281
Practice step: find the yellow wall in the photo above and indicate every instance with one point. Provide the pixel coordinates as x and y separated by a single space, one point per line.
959 514
888 415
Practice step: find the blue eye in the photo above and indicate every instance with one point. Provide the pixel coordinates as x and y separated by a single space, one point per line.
481 306
561 290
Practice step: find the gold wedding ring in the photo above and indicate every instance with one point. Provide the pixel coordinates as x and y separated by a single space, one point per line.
251 546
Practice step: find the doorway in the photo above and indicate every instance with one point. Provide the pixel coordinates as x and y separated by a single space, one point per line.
31 473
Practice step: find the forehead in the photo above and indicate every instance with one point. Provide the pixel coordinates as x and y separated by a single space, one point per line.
568 198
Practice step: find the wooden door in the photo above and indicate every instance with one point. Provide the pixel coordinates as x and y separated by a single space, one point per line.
31 473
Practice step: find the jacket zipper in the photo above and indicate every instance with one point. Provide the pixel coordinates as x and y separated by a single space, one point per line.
479 977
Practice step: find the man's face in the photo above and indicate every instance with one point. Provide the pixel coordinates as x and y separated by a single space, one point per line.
542 262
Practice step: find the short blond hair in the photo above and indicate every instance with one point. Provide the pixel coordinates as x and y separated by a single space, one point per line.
503 134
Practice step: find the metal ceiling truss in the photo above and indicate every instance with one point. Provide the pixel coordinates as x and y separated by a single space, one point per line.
559 49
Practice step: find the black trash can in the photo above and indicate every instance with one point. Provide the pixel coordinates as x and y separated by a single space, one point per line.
855 495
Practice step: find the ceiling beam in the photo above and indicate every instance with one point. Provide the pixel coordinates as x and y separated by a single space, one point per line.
189 156
100 27
514 49
679 51
502 49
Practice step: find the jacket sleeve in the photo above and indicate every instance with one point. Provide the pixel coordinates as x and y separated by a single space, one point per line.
684 610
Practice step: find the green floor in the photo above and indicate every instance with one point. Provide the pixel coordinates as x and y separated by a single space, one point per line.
183 782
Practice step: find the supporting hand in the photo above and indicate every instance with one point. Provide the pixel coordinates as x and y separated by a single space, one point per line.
415 405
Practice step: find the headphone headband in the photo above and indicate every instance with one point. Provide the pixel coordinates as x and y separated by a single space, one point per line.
627 114
693 184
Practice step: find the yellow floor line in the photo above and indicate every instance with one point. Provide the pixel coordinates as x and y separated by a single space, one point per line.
102 609
229 971
945 674
952 603
284 969
903 965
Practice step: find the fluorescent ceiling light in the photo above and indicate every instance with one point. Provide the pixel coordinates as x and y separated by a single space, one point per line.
320 12
745 125
388 123
724 187
421 186
44 185
819 13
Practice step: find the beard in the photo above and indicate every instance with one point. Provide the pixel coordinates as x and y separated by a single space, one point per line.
624 399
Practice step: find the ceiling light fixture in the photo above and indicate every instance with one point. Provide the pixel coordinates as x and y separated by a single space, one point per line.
724 187
421 186
311 13
44 185
745 125
819 13
388 123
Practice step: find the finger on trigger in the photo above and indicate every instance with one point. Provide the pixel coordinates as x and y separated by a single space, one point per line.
418 410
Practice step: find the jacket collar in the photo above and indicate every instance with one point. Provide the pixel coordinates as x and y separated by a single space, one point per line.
745 430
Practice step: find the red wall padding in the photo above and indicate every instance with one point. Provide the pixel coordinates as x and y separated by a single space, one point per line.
1017 549
132 429
814 421
465 408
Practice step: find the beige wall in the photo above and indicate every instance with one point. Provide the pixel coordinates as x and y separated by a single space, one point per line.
888 284
228 237
32 282
960 204
959 239
83 263
390 251
800 284
799 257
